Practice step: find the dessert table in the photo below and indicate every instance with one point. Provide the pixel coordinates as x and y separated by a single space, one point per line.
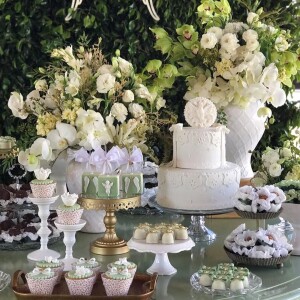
277 284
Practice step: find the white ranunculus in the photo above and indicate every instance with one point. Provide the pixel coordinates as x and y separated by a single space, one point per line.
160 103
275 170
119 111
252 17
63 136
216 30
229 42
16 105
136 110
250 34
125 66
208 40
41 85
128 96
104 69
105 82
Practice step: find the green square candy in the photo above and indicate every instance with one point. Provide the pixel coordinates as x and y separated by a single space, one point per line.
132 184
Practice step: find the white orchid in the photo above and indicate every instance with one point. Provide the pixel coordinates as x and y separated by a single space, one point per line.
63 136
16 104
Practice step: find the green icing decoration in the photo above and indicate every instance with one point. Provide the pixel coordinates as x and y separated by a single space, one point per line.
74 207
72 274
45 264
118 276
42 182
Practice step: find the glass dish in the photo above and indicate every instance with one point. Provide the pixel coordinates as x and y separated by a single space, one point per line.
4 280
254 283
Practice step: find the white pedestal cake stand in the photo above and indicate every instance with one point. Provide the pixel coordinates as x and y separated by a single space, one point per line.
69 241
197 229
161 263
44 232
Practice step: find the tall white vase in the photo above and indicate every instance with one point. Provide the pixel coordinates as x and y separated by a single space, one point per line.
93 218
246 129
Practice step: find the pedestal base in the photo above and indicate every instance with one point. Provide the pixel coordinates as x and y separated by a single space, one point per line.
109 248
198 231
162 265
41 254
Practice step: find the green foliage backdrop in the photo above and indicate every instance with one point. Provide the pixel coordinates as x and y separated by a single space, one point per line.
30 29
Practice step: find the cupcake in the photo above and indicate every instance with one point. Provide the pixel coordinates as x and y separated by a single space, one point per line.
54 264
92 264
80 281
42 187
116 282
41 281
122 263
70 212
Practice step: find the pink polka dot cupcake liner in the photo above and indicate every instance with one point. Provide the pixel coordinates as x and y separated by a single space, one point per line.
41 286
69 217
58 272
80 286
43 191
115 287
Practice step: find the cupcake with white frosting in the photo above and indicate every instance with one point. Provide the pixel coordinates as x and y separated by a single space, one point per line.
116 282
70 212
91 263
41 281
80 281
42 186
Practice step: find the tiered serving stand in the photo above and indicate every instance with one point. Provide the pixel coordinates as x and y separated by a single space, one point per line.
110 243
44 232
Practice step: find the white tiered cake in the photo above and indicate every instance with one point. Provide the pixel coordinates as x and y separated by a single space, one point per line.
198 178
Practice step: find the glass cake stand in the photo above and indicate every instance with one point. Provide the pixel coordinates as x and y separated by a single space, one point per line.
110 243
197 229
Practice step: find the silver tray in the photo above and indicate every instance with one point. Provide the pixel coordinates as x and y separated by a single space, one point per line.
4 280
254 283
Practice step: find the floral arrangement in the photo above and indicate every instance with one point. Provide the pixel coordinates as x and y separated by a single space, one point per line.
232 62
268 198
269 243
82 100
291 189
278 164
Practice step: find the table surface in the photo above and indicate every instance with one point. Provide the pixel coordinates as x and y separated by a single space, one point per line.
277 284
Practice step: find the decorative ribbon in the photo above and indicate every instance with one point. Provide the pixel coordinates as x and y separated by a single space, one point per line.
132 162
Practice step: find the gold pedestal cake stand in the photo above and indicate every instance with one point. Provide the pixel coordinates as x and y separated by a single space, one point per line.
110 243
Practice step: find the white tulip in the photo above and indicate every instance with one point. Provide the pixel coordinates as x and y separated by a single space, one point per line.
16 105
105 82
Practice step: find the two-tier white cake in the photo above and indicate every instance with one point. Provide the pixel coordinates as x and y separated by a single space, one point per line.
198 178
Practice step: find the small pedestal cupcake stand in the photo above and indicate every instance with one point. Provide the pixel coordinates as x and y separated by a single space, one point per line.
110 243
44 232
69 241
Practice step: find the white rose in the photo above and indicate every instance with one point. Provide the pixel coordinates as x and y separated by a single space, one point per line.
161 102
128 96
208 40
125 66
136 110
41 85
252 45
105 82
119 111
275 170
270 157
229 42
250 34
252 17
217 31
16 105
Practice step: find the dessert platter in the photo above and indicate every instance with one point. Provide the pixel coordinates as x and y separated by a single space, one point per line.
225 280
161 239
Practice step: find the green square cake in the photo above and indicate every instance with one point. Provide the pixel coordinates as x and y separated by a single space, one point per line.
96 185
132 184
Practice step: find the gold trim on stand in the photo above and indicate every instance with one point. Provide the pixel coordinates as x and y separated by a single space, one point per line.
110 243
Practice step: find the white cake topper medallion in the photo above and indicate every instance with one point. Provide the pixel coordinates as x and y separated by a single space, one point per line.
200 112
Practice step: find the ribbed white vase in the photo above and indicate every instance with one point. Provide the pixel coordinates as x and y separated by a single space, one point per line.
246 130
93 218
